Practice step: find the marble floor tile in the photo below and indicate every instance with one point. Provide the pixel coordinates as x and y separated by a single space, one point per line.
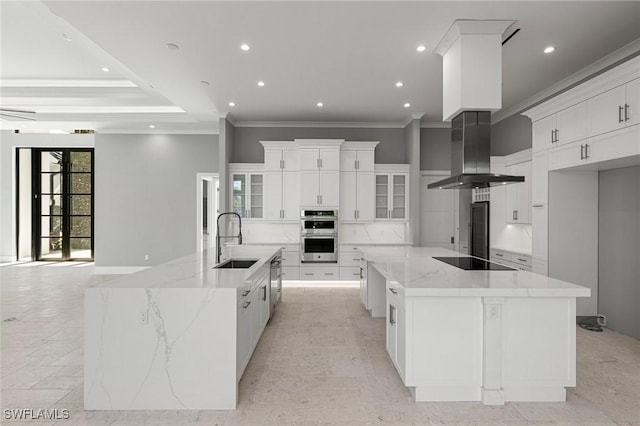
321 361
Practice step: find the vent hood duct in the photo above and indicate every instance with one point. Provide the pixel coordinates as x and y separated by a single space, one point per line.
470 155
472 88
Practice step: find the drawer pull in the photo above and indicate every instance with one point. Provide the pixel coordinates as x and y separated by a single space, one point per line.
308 273
522 260
328 273
246 292
393 291
246 305
499 255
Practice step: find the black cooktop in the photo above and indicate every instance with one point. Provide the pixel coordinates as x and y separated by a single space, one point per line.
473 264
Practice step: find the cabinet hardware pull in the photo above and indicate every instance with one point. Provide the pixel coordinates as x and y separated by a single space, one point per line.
308 273
328 273
516 214
537 205
357 260
522 260
586 151
626 112
392 309
361 276
264 293
282 164
321 199
244 293
582 152
552 133
620 108
499 255
393 291
557 138
246 305
513 215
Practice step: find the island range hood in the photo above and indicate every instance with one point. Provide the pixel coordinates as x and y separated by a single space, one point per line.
470 154
472 88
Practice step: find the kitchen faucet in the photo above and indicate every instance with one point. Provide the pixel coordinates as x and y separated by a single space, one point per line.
218 236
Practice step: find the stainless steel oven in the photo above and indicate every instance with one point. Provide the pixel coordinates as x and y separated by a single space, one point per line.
319 236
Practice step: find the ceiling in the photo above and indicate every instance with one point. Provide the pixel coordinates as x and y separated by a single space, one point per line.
347 55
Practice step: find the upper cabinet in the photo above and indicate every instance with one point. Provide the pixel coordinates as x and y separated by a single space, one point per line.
518 195
565 126
614 109
282 183
319 172
247 190
357 189
320 159
391 197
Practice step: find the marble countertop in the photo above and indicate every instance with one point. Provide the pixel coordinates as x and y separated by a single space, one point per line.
415 273
197 271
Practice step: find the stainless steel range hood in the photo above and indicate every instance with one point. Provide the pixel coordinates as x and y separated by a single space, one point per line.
470 154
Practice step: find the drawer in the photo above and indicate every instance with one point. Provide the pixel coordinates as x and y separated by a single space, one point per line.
349 273
290 273
348 249
351 258
290 247
521 259
500 255
319 273
290 258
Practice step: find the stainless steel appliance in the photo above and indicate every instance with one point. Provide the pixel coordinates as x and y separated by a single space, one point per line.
479 244
275 286
319 236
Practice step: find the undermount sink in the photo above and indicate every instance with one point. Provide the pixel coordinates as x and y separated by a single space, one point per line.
236 264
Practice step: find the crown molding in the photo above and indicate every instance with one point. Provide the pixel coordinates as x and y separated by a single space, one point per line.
436 125
601 65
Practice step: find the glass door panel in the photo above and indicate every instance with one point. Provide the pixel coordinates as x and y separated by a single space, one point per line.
382 196
256 196
239 194
399 200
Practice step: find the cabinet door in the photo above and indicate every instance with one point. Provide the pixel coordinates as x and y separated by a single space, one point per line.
329 189
543 131
244 339
256 316
571 123
401 337
365 194
291 196
539 231
614 145
348 195
239 194
348 161
309 159
366 161
539 178
382 196
605 112
392 336
309 188
272 159
330 159
511 197
256 202
290 160
568 155
523 200
398 197
632 111
273 195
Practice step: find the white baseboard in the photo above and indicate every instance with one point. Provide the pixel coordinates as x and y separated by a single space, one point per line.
118 270
7 258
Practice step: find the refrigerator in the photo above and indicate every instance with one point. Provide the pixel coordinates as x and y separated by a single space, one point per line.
479 239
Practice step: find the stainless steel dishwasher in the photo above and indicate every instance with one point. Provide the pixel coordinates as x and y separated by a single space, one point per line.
276 283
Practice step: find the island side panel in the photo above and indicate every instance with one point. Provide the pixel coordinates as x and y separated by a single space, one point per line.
160 348
539 348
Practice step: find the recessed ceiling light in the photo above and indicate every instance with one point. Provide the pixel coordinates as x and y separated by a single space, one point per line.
105 69
407 105
204 82
173 46
421 48
261 83
66 37
320 104
549 49
232 104
245 47
151 126
399 84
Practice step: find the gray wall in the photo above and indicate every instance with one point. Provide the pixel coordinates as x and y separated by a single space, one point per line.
573 233
619 249
145 196
511 135
435 149
412 143
247 149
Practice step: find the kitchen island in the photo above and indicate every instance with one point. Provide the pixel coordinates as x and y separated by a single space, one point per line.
175 336
475 335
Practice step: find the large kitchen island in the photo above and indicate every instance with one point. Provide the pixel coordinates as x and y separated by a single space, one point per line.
178 335
474 335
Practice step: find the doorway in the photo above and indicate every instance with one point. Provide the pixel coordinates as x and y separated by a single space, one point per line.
207 206
62 204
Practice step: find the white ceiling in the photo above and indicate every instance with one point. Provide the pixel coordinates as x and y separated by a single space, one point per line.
347 55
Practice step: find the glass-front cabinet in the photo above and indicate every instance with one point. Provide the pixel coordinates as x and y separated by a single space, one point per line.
391 194
247 192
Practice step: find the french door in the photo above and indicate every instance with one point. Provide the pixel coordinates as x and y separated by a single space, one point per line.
62 184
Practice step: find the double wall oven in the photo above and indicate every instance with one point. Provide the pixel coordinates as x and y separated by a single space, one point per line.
319 236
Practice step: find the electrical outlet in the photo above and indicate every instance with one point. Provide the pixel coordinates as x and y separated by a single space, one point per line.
146 257
144 317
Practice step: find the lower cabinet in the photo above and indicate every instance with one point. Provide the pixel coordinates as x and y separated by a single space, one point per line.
396 330
319 273
511 259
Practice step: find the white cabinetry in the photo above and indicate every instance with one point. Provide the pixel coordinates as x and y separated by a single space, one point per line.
518 195
282 183
320 172
539 177
247 190
291 262
391 189
511 259
565 126
357 181
614 109
351 264
319 273
396 329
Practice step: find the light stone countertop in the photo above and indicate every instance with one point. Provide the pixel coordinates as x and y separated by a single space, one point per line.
197 271
415 273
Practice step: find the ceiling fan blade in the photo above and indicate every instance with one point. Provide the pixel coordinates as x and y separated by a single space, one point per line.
18 116
21 111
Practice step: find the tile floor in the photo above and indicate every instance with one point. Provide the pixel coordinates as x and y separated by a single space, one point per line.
321 360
